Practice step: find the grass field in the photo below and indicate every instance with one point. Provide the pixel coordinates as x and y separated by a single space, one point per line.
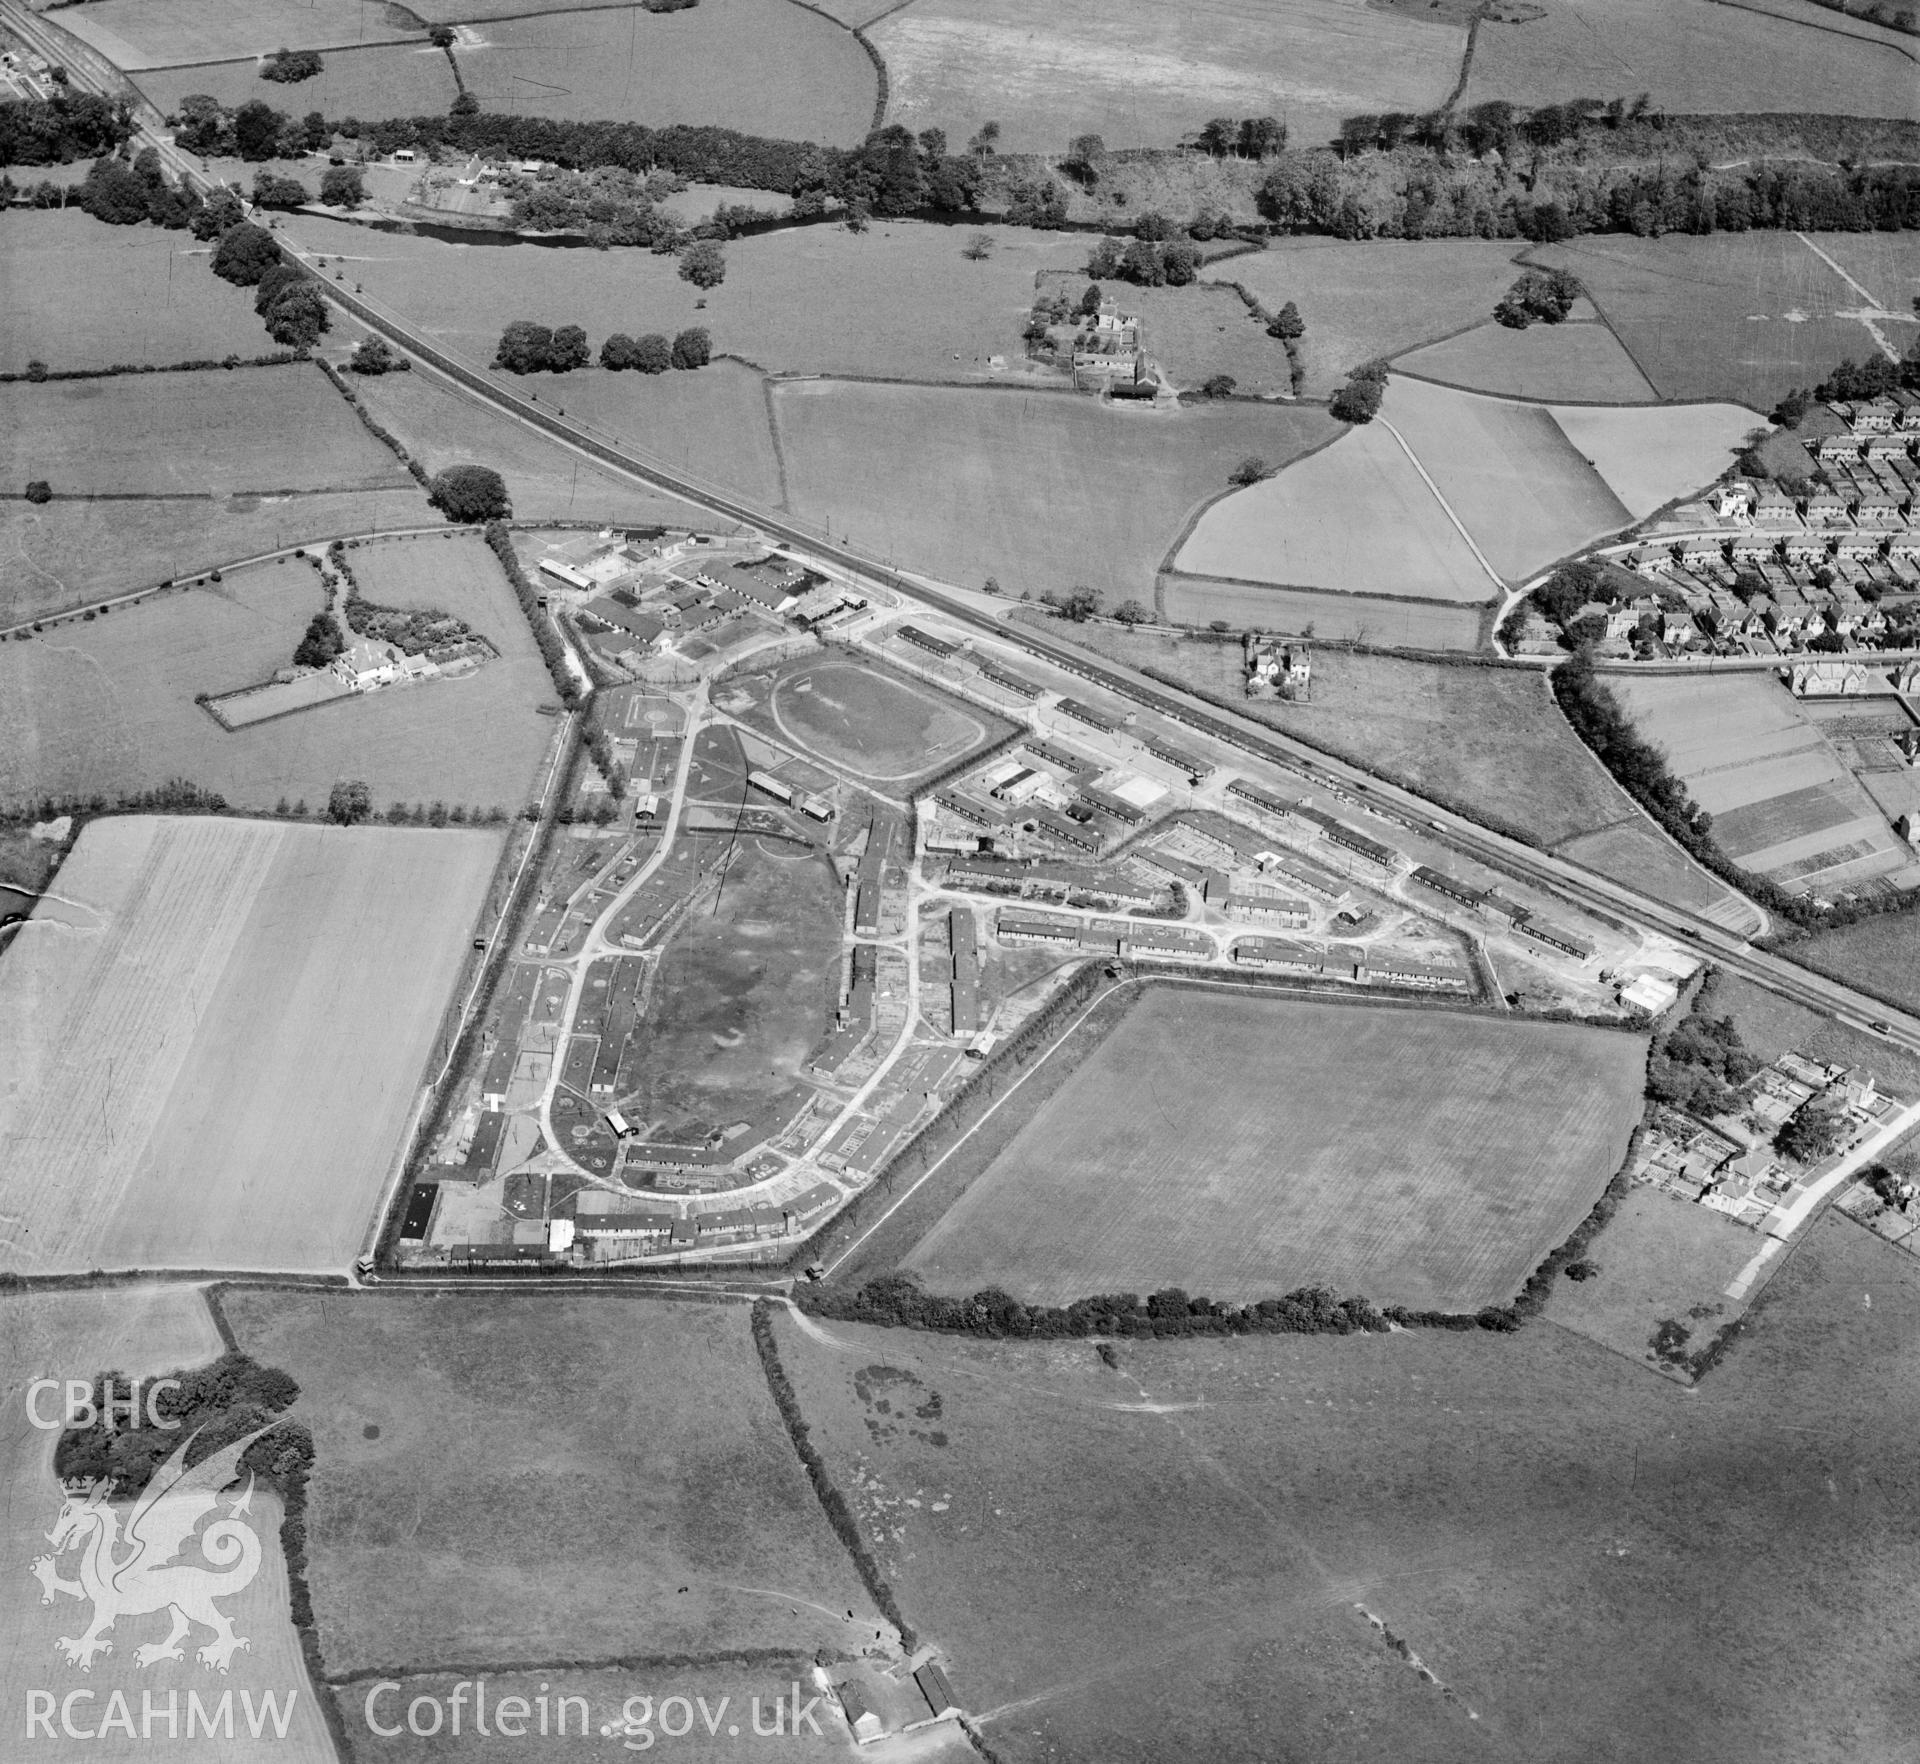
1739 316
1489 739
1242 1147
135 34
711 1540
142 1331
1144 77
257 429
765 66
108 706
82 294
1546 362
1039 490
1771 1026
882 727
1691 57
1508 472
1374 298
407 81
1412 624
1590 1560
1880 956
212 1046
1633 852
65 554
1356 516
1649 457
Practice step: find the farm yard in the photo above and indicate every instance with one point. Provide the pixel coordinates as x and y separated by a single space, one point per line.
1739 316
763 66
81 294
1547 363
1354 517
256 430
1196 332
143 1331
1242 1147
136 34
661 1408
183 1035
1039 490
881 727
107 706
411 80
1650 457
1145 76
1567 1543
1693 57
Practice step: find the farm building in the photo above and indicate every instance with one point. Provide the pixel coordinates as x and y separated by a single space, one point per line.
862 1719
938 1692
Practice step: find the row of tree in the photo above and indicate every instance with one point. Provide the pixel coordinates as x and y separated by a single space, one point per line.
553 651
529 348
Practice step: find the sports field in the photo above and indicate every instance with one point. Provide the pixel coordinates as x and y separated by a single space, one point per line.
1545 362
1356 516
764 66
1143 76
1241 1147
879 726
260 429
212 1045
1650 457
80 294
143 1331
64 554
1038 490
107 706
712 1543
408 81
1691 57
135 34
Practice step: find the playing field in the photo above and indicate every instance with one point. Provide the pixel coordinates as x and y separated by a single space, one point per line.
1143 76
413 80
764 66
212 1044
1038 490
1739 316
660 1408
1692 57
1241 1147
1546 362
1356 516
882 727
142 1331
1649 457
80 294
135 34
107 706
1374 298
257 430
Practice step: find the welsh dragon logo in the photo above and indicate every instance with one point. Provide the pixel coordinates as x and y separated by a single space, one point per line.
132 1571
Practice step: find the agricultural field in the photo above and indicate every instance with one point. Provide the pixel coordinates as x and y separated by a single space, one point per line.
203 999
1880 956
108 706
764 66
1378 297
138 34
1508 473
81 294
720 1547
1354 517
69 553
1583 1556
255 430
1692 58
1650 457
1038 490
1242 1147
871 723
1488 740
1146 76
1634 852
1739 316
1546 363
412 80
142 1331
1356 618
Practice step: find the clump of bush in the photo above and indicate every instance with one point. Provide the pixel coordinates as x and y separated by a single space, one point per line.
1547 295
1358 401
322 642
467 493
288 67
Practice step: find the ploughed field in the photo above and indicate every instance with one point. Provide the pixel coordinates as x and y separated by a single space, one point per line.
1241 1147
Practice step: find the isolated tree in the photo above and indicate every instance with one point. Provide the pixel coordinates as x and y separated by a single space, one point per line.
468 493
350 803
297 317
39 491
343 186
1078 604
245 254
1249 471
1085 156
1812 1132
256 130
273 191
37 370
1287 324
1090 300
374 356
979 248
1133 612
703 264
1358 401
315 134
441 36
1219 386
652 354
693 348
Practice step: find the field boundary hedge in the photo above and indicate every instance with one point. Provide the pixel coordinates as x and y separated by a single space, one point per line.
832 1502
195 365
586 1663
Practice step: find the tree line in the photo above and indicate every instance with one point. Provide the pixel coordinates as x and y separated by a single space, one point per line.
529 348
61 129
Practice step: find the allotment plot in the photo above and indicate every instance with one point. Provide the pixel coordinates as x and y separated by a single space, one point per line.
212 1033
